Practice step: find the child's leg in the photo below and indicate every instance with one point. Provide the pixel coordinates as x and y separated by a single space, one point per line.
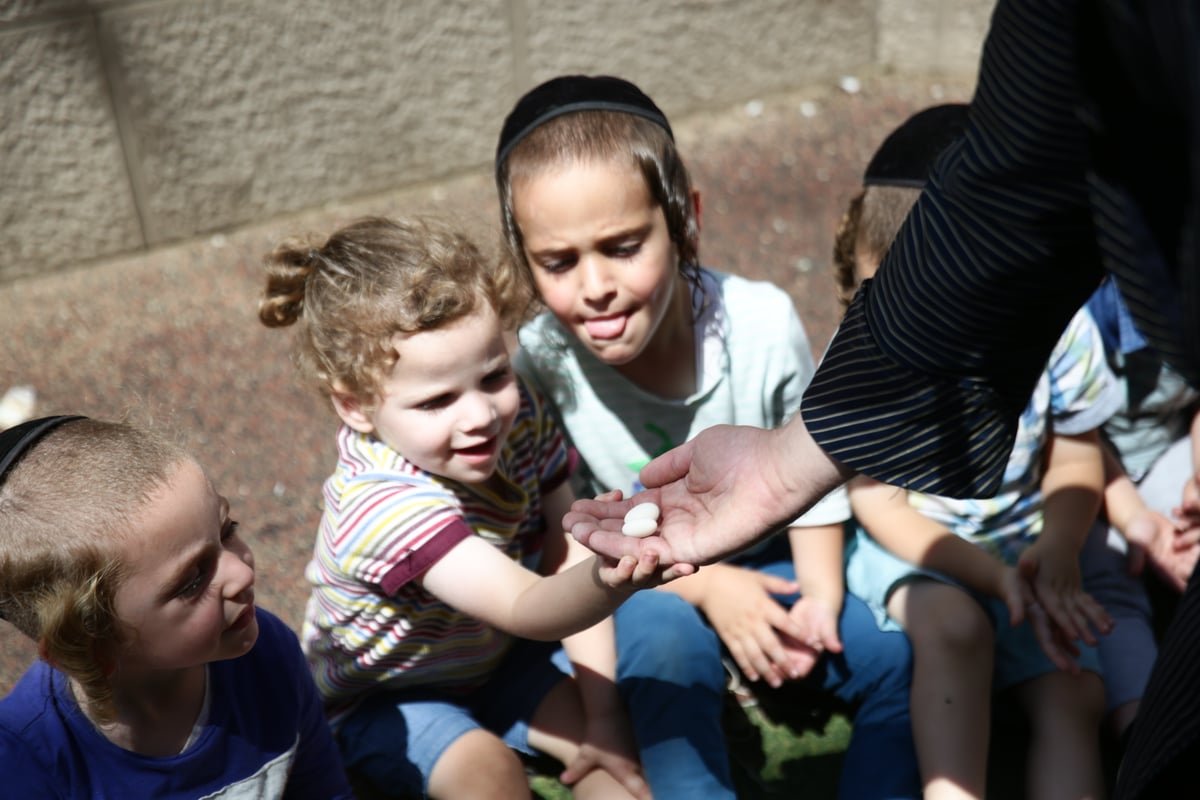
1128 652
874 672
1064 713
421 744
953 651
478 765
557 729
669 673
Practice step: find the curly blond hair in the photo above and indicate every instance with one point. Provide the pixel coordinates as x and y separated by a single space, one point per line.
371 280
871 221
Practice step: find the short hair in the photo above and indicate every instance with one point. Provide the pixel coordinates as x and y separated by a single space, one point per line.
371 280
869 225
65 509
614 136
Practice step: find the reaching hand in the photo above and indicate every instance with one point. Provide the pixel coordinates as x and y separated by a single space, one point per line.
1188 510
719 493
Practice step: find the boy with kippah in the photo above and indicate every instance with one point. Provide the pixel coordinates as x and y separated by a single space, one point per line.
159 677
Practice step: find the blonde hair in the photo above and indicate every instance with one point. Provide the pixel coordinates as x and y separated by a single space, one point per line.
869 225
593 135
65 509
370 280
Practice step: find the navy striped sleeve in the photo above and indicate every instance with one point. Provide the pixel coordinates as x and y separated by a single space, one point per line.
926 377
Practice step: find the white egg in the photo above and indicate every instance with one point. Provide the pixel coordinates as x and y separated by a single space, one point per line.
642 511
639 526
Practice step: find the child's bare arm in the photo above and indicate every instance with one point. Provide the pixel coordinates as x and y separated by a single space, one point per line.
884 512
1072 487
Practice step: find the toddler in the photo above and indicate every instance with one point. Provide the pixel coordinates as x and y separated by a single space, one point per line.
440 557
158 675
641 348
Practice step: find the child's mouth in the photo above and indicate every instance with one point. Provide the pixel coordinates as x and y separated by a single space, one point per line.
603 328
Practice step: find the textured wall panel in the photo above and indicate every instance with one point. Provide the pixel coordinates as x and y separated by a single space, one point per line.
65 196
237 111
935 36
690 54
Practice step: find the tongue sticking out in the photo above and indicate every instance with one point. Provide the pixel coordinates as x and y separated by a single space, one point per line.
607 328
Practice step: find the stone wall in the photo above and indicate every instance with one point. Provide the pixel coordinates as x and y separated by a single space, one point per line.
130 124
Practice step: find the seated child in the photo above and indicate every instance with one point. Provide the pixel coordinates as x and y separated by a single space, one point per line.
1150 452
640 349
960 576
441 554
158 675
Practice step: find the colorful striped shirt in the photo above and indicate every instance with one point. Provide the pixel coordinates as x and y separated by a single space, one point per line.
368 623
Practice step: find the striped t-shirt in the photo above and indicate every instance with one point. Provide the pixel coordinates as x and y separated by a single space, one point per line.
369 624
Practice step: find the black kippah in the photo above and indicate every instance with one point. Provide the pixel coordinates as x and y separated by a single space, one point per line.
567 94
908 153
19 439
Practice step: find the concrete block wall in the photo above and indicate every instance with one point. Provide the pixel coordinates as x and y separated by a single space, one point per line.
130 124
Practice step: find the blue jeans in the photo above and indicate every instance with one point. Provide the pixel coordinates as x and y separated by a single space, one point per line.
669 673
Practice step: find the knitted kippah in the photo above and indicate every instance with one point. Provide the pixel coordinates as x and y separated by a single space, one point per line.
19 439
567 94
908 153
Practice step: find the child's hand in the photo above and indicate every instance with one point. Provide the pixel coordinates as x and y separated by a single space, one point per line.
1188 510
1171 550
1018 594
820 621
1060 611
639 572
750 622
608 745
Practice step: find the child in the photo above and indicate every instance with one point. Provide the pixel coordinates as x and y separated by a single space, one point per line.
641 348
959 576
159 677
441 551
1150 449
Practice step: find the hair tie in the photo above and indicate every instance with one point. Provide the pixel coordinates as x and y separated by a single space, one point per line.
571 93
20 439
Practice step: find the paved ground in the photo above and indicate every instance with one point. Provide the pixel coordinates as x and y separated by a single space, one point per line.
171 337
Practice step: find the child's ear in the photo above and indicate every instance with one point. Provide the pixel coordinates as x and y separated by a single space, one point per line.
697 206
350 409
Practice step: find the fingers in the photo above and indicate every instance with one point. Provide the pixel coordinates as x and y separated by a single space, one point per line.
580 766
1062 653
670 466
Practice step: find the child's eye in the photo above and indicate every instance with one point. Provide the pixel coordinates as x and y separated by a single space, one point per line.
497 377
554 265
196 584
626 250
435 403
229 530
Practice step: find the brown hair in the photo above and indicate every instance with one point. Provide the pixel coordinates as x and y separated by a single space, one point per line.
594 135
870 223
370 280
64 511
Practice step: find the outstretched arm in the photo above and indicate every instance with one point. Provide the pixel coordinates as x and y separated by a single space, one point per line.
719 493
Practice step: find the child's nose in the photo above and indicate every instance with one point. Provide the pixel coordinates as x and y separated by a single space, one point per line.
238 572
481 412
597 278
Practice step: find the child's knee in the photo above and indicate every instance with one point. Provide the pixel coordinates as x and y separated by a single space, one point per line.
478 764
959 627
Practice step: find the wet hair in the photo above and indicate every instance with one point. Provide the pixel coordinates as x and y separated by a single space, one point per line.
65 510
371 280
870 223
597 135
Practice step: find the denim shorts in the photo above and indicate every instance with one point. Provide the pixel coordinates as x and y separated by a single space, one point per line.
873 573
394 738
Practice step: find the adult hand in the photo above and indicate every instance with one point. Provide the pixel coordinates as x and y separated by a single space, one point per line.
719 493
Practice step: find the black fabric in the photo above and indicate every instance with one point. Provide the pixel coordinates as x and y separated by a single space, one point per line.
17 440
908 152
570 93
